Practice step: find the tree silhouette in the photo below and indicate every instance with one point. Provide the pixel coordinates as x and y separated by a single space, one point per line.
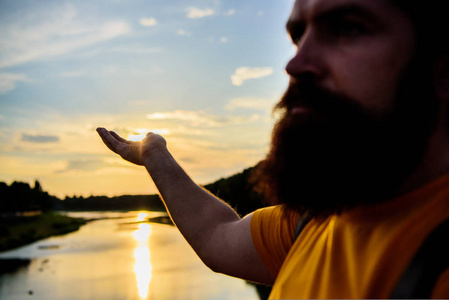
20 197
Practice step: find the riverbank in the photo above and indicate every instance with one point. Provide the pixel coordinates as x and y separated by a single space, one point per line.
16 232
116 258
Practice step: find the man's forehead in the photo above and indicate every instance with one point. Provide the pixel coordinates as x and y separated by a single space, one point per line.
307 9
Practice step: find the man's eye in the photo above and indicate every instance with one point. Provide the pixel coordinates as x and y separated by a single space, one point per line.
296 34
296 38
347 29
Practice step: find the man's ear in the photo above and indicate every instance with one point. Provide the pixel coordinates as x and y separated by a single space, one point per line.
441 77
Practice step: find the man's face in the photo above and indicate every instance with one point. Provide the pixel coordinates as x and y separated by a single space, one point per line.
355 48
357 114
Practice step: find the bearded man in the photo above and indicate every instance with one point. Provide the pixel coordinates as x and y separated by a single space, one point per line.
358 166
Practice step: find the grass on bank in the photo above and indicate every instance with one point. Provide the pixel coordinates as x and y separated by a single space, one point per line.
16 232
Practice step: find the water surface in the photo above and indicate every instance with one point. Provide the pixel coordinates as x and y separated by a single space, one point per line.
117 258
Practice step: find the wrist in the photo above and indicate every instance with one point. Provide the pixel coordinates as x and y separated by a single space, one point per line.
153 146
155 153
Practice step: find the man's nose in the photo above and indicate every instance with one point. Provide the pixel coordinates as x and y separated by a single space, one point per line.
308 60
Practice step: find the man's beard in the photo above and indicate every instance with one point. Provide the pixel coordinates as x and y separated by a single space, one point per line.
340 155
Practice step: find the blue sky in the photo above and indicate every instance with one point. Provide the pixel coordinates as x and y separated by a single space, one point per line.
203 73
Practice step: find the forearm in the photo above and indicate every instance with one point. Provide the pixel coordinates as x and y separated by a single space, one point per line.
195 211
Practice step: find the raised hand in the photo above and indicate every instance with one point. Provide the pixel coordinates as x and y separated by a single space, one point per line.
134 152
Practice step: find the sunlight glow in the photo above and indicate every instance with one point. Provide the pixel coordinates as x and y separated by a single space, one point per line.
142 133
136 137
143 233
141 216
142 265
142 268
162 131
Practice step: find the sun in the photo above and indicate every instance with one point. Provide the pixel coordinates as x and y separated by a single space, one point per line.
139 134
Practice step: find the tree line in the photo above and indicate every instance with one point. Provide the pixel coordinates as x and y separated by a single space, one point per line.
21 197
237 190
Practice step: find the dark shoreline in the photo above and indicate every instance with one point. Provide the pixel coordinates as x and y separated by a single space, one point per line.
8 265
17 232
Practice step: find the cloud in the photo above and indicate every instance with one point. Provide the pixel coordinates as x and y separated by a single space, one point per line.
244 73
195 118
136 49
148 22
73 74
140 133
263 104
201 119
8 81
183 32
195 13
126 49
187 159
224 39
85 165
230 12
45 34
39 138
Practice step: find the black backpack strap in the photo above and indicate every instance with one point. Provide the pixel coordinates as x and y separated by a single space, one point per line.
302 222
431 260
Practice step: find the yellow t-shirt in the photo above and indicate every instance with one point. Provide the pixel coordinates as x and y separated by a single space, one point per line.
361 253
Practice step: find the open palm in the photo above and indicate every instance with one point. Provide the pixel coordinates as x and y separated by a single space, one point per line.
133 152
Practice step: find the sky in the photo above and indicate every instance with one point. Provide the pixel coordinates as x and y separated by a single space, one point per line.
203 73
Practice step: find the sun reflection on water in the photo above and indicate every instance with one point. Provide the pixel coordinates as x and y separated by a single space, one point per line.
142 266
141 216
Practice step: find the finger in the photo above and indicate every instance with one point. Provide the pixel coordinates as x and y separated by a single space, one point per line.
108 139
104 136
116 136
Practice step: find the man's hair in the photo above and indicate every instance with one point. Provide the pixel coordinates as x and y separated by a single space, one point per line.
431 20
431 23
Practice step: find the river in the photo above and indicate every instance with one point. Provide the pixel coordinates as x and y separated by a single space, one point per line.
117 257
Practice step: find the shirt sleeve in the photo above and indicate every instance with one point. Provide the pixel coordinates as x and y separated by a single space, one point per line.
273 232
